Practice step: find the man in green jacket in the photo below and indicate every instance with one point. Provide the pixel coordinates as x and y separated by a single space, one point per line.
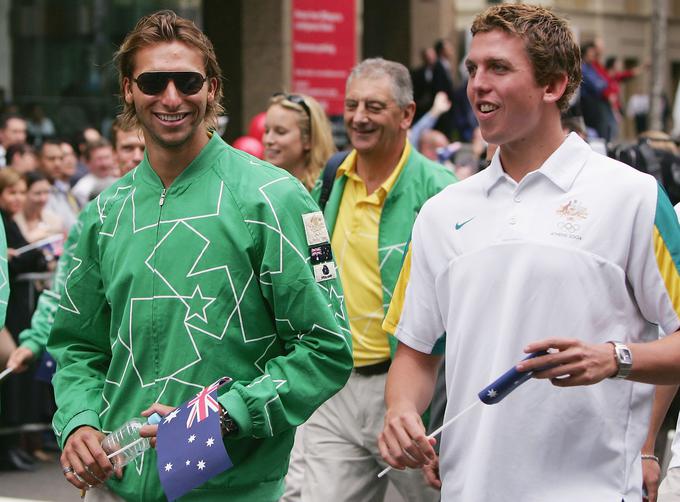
202 262
378 191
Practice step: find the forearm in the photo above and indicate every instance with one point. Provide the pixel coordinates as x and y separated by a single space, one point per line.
663 396
35 338
657 362
292 387
411 379
314 363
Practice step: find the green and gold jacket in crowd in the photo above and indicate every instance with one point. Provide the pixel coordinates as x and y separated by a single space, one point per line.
172 289
35 337
419 180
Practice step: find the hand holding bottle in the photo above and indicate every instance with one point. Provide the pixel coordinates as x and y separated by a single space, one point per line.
149 431
83 460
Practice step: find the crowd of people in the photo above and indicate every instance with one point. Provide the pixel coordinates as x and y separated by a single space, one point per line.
43 187
356 299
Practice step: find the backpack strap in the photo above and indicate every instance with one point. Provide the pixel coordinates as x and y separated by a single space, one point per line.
328 177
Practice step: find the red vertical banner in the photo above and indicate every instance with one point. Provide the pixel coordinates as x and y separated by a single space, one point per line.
324 49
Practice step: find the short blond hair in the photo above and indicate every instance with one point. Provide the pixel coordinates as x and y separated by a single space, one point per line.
550 43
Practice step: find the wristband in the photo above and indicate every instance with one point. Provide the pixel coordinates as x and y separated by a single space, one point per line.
650 457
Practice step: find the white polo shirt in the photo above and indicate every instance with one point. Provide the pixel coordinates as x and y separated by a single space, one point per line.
583 248
675 448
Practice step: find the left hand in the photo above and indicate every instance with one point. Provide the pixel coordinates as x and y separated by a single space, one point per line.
150 431
571 362
431 474
651 475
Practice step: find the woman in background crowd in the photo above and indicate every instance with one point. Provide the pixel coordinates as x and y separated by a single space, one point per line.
34 220
297 136
24 399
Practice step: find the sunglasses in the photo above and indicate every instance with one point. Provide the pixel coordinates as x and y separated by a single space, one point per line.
154 83
296 99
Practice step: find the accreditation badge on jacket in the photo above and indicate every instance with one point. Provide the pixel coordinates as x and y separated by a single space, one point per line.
319 244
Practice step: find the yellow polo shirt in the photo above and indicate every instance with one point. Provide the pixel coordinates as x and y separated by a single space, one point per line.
355 248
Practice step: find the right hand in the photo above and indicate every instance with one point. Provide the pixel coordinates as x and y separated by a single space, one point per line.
441 104
19 359
403 442
84 454
651 475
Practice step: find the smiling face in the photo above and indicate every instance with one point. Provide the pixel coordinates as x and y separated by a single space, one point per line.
374 121
37 194
283 143
171 119
12 198
508 103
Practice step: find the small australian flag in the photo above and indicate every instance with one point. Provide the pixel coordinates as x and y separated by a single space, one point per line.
189 444
46 368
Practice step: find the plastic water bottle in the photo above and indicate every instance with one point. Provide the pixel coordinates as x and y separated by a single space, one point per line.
125 444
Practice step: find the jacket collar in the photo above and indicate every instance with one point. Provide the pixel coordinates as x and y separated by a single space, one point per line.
199 166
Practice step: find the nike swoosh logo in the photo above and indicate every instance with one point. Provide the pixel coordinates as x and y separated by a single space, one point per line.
460 225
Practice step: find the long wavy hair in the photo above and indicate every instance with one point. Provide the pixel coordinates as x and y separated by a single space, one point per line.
314 129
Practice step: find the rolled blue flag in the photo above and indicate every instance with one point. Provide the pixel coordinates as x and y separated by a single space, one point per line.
497 390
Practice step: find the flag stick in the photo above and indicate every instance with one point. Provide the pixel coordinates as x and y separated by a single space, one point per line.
125 448
6 372
42 242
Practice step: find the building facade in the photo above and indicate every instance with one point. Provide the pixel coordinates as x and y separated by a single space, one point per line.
57 53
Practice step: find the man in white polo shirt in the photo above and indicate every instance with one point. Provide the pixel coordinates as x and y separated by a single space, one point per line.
534 249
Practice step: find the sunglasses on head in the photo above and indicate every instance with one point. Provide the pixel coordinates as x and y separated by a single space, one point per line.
296 99
155 82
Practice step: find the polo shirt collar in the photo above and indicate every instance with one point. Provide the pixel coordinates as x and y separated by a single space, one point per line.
561 168
349 168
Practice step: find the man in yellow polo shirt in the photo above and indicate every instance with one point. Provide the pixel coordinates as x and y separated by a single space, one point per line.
378 191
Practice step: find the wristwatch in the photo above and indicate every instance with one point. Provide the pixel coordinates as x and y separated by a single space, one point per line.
624 359
227 424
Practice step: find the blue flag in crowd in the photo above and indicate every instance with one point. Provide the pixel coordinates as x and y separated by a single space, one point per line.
46 368
189 444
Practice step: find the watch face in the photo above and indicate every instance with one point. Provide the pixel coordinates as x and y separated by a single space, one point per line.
625 355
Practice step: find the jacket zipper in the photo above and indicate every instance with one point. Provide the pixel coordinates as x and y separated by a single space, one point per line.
154 337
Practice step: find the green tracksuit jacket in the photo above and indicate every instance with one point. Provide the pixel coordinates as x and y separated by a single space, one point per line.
35 337
419 180
172 289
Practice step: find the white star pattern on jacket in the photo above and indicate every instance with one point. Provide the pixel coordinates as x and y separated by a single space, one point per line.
198 264
172 288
